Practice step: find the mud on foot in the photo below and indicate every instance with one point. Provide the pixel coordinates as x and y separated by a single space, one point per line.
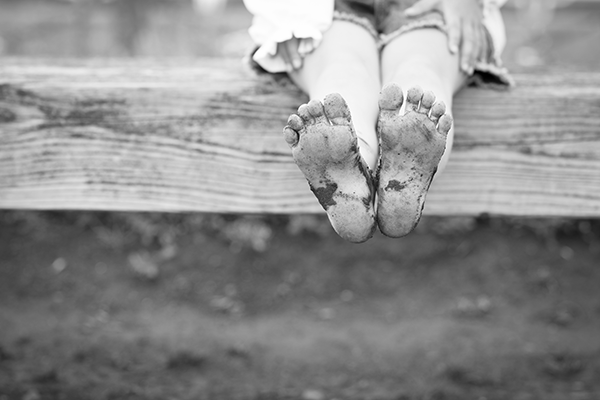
325 148
412 145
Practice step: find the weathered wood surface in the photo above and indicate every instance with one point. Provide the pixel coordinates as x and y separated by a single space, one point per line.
205 136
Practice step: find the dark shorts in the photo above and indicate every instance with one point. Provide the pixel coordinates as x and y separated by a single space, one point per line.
385 20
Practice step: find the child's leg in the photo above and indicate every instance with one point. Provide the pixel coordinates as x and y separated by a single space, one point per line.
421 58
413 141
328 138
347 62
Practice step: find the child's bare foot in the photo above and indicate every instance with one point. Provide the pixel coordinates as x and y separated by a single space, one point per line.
411 148
324 146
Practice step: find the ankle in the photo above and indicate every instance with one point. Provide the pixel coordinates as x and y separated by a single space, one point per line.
369 153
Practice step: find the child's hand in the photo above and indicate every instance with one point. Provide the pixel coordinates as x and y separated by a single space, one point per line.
464 23
289 51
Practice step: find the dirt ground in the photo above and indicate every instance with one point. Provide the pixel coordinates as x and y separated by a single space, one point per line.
152 306
144 306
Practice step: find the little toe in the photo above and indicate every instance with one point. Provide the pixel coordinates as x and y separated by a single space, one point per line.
336 109
437 111
290 136
295 122
413 98
315 108
427 102
445 124
305 114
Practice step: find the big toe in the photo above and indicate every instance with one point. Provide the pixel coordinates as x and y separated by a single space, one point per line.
391 97
336 109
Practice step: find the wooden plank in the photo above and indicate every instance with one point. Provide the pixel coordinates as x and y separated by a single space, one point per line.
205 136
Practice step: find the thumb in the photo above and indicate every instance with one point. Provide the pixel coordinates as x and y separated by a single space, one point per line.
421 7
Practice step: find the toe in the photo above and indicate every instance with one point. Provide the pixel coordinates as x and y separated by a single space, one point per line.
305 114
295 122
437 111
445 124
391 98
336 109
413 98
427 102
290 136
315 108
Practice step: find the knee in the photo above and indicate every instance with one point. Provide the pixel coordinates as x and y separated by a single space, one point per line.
348 67
344 75
340 72
421 66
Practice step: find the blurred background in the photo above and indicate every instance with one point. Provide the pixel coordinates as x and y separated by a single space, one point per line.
98 305
541 32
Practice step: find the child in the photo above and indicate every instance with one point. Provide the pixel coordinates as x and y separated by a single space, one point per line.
369 154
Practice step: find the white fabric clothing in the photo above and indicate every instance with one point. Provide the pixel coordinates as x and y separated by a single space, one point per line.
276 21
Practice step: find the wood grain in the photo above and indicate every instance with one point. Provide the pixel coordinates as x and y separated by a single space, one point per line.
205 135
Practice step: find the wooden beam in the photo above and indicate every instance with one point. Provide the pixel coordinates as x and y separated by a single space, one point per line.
206 136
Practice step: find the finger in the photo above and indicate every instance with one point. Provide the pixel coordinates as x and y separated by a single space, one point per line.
454 33
466 50
422 7
282 50
475 45
478 39
294 54
306 46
